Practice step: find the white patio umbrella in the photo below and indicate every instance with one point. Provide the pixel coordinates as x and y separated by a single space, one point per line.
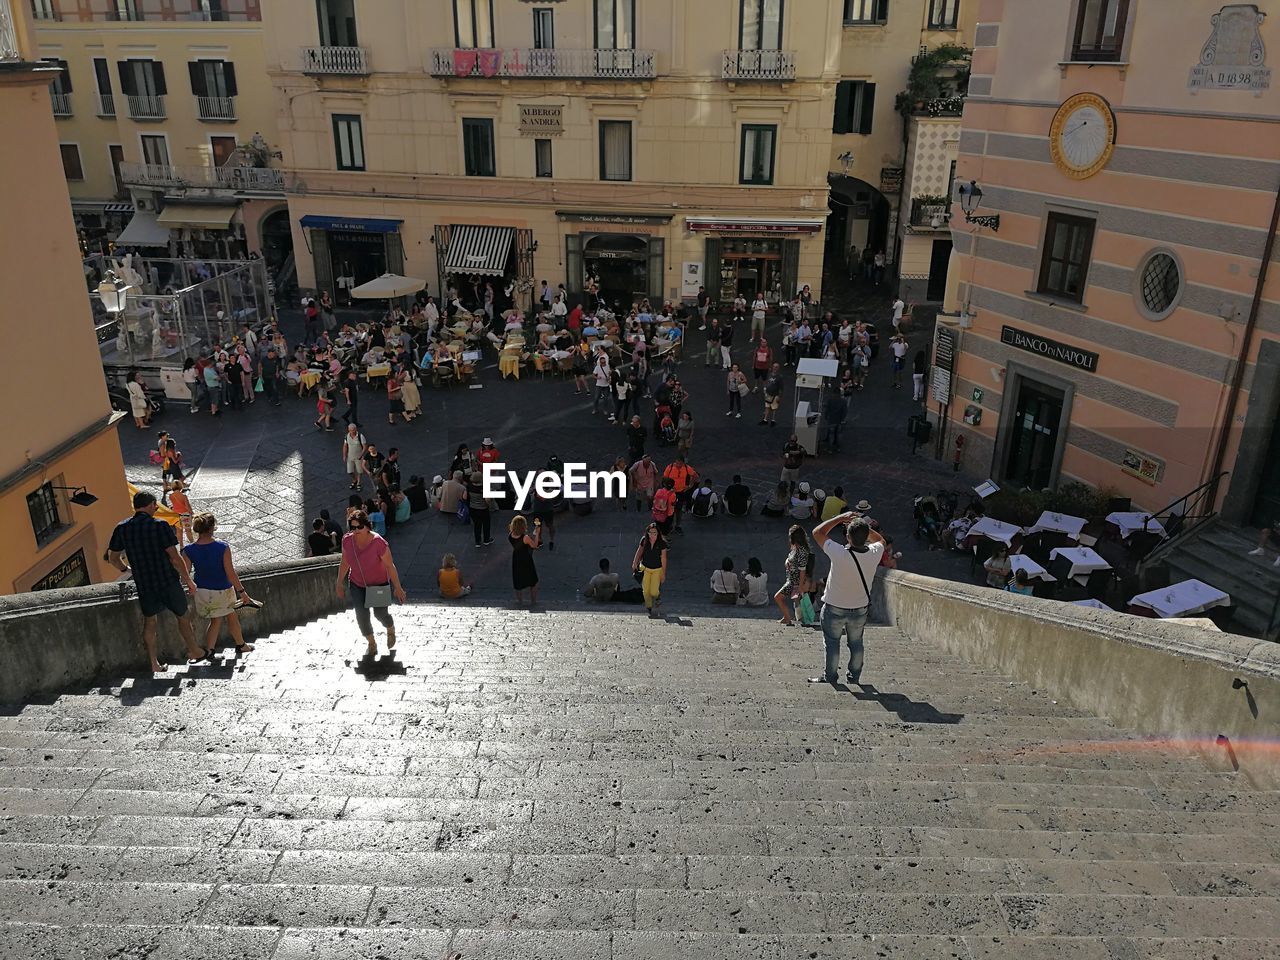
387 287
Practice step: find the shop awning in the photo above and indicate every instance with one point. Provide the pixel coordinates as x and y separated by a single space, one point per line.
483 250
143 231
196 215
351 224
118 208
100 206
754 224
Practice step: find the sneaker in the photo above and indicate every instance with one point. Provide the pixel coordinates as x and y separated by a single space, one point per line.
738 416
830 680
1257 553
703 327
489 541
762 423
729 413
854 678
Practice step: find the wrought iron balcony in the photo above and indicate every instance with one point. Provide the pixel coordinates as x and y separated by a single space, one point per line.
8 33
249 179
569 64
216 108
758 65
351 61
926 210
61 103
106 105
146 107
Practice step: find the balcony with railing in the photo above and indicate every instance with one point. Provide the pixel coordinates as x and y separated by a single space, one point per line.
106 104
9 48
216 108
567 64
931 212
245 179
146 107
758 65
61 103
350 61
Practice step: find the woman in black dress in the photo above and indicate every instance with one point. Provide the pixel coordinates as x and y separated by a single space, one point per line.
524 575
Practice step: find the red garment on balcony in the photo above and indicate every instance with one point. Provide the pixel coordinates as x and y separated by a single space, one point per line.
490 61
464 61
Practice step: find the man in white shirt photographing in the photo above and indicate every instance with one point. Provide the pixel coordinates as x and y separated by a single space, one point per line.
846 601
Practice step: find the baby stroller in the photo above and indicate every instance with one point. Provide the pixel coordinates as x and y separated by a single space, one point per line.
929 522
666 427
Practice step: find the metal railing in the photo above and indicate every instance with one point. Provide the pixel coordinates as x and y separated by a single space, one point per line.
106 105
61 103
343 60
259 179
584 63
216 108
1183 517
8 33
758 65
146 107
923 213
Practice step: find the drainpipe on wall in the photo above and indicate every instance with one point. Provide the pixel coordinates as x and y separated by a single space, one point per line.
1237 376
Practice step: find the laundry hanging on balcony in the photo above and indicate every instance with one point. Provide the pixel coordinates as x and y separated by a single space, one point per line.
464 61
490 62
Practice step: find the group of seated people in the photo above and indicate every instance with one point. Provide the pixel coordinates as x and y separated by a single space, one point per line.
749 589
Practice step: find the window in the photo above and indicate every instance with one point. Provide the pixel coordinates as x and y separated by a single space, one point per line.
473 23
761 25
855 106
337 22
542 158
1064 262
1159 285
44 10
61 84
615 25
102 74
943 14
125 10
210 10
142 78
71 161
1100 30
348 141
155 149
477 147
42 505
615 149
866 11
544 28
212 78
757 153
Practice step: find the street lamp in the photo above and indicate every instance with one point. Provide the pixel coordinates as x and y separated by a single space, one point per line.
970 200
113 292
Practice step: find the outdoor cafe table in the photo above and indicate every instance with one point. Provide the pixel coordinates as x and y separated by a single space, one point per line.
994 529
1083 560
1059 523
309 379
1090 602
1019 561
509 362
1132 521
1180 599
377 370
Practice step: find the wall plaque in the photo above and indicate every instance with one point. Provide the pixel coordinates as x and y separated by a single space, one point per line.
1061 352
541 120
71 572
1234 57
1145 468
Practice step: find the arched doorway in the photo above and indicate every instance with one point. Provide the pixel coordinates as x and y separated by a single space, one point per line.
619 265
858 218
277 242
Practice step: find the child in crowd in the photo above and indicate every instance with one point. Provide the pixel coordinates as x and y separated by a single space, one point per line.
181 505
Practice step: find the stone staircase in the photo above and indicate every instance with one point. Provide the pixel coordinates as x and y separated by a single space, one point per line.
598 786
1219 554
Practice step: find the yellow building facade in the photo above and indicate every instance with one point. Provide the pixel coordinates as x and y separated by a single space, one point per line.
62 484
156 105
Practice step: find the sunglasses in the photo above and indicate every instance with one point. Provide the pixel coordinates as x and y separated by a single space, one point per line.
356 526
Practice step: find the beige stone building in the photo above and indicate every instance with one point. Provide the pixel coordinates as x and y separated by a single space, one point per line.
155 100
62 484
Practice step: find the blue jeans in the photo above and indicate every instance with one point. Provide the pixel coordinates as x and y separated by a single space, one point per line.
840 623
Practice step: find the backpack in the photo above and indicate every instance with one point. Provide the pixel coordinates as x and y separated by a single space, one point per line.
702 504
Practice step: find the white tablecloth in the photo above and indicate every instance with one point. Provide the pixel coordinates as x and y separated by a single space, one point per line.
1131 522
1090 602
994 529
1083 560
1019 561
1182 599
1059 523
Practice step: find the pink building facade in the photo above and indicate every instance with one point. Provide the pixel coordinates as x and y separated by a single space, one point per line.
1120 325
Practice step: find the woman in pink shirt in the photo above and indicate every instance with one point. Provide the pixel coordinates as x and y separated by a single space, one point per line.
367 562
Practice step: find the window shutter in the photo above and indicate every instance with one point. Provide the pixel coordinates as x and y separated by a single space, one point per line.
127 85
882 9
844 98
158 72
196 69
711 269
320 255
573 262
103 75
66 76
790 267
657 264
394 246
229 77
868 107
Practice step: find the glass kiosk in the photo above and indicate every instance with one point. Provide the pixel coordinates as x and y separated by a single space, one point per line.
813 379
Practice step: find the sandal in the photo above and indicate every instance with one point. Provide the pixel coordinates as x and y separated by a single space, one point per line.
248 601
243 648
391 639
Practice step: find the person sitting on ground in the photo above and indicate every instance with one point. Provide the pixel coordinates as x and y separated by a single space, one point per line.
604 584
834 505
1020 583
449 579
737 498
401 509
452 492
725 585
377 518
755 585
801 507
416 494
779 501
704 502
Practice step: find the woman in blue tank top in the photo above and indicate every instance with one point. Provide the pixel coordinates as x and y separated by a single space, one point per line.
217 584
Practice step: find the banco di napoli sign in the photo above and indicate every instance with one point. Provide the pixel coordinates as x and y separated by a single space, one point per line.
1052 349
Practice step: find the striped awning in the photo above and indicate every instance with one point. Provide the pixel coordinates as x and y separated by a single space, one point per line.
482 250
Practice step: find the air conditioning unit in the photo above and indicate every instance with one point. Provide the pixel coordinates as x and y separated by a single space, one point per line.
145 204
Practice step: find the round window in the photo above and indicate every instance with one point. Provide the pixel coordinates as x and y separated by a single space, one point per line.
1161 284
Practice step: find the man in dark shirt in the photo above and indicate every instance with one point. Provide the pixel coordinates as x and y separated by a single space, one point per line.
270 374
390 476
714 333
704 306
331 528
737 498
373 462
158 573
636 436
320 543
792 457
351 394
772 396
833 412
726 343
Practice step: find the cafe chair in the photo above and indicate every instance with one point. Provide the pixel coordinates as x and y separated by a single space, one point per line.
1222 617
1051 540
1060 569
982 550
1044 589
1142 543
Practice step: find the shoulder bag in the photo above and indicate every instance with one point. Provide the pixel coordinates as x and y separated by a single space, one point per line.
375 594
861 576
